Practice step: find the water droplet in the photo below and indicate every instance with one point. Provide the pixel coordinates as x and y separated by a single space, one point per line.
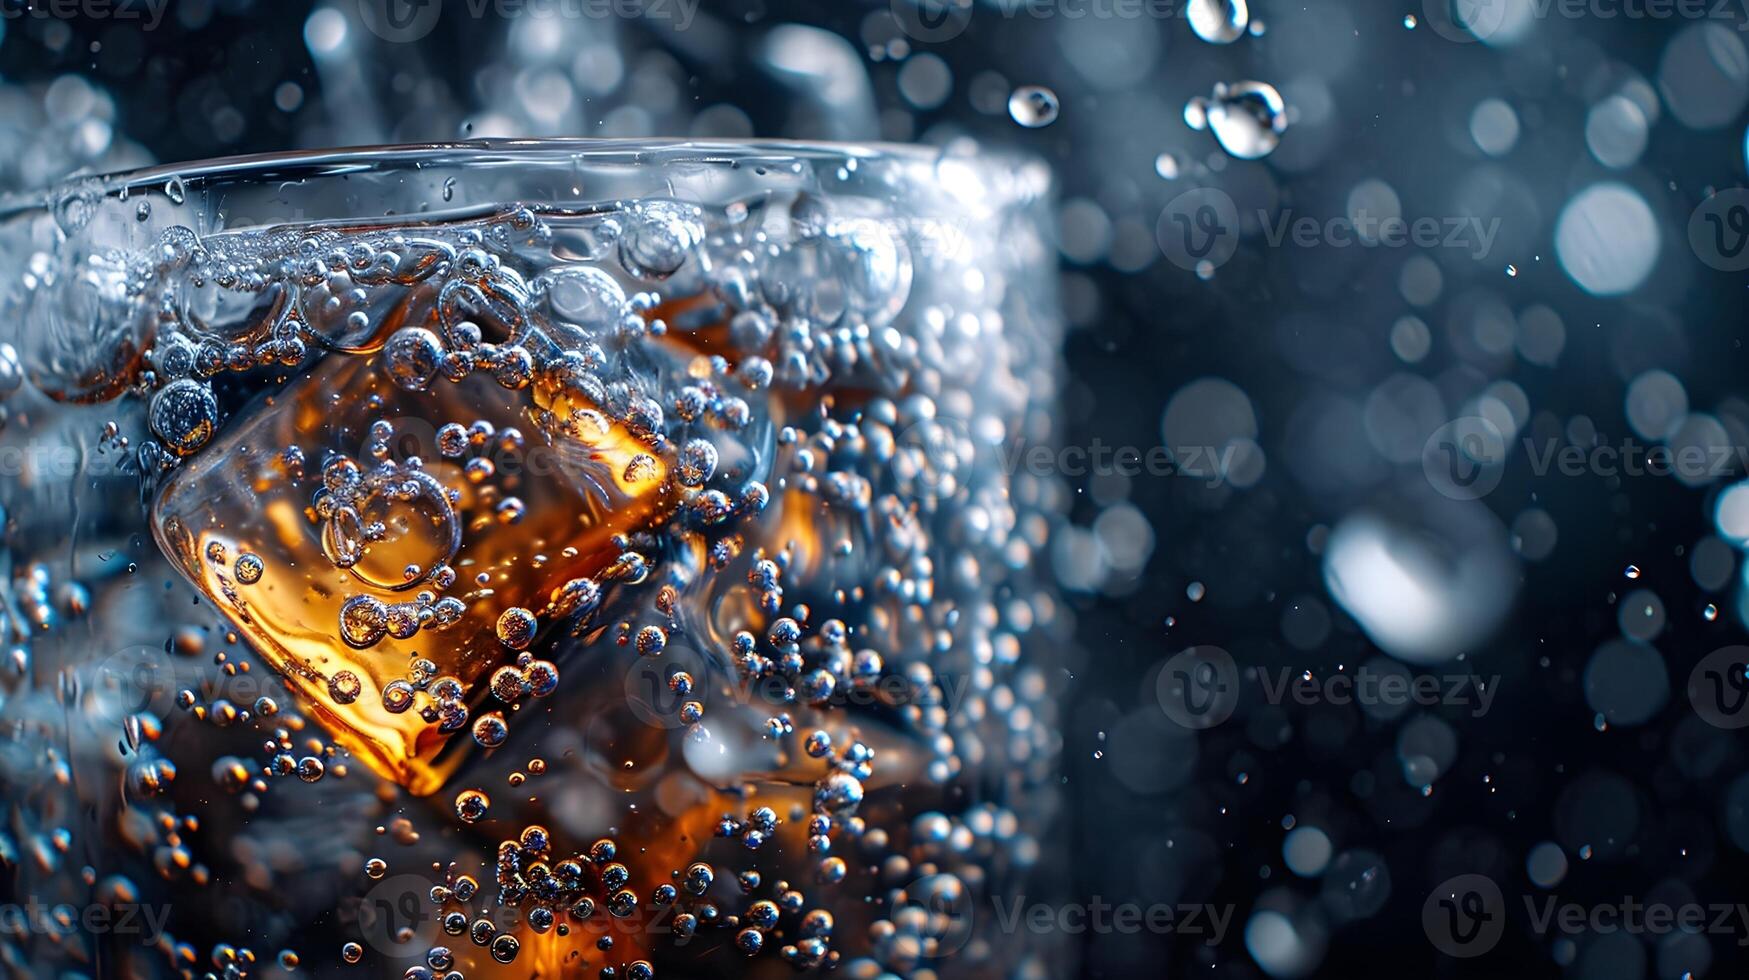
175 190
1033 106
1247 118
1196 113
1218 21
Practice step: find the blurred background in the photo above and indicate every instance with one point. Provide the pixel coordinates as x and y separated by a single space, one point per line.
1406 345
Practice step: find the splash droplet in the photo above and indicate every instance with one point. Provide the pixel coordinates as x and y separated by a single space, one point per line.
1218 21
1033 106
1247 118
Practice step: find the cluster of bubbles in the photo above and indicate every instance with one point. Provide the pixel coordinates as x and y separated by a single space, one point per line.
795 393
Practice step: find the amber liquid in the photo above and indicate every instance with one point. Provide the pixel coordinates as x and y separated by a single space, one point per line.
244 494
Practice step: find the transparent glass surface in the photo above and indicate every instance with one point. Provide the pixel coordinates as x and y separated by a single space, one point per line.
662 494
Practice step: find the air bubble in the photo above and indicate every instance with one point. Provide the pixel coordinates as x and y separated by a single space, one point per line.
413 357
344 687
363 621
517 627
184 414
658 241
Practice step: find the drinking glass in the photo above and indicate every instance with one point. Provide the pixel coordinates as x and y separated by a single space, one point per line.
456 555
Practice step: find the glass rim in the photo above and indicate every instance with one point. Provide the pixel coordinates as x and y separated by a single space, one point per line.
338 161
